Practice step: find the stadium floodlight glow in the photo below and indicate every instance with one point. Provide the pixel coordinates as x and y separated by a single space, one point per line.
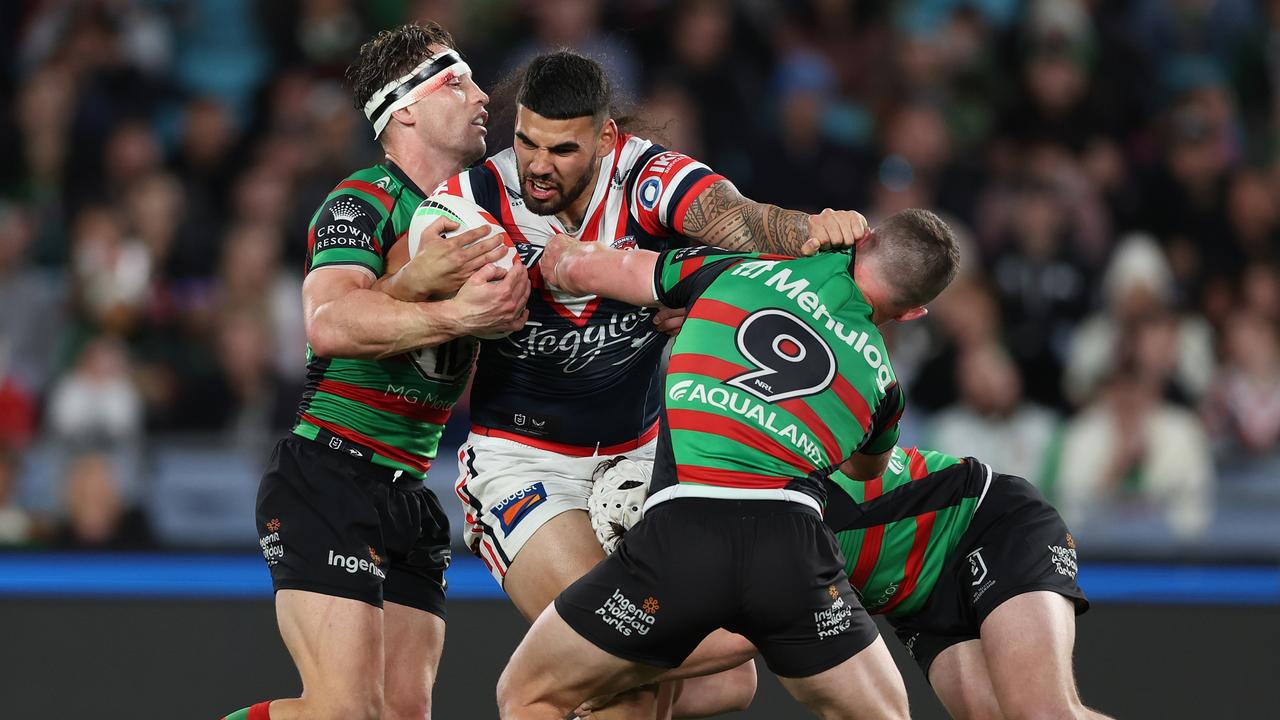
414 85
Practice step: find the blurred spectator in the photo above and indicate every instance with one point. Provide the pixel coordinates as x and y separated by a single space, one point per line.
1262 290
207 165
154 205
1042 272
809 171
1243 409
97 517
1185 197
253 278
1131 452
97 401
993 421
16 524
34 317
112 274
706 55
1138 285
966 316
576 24
1254 209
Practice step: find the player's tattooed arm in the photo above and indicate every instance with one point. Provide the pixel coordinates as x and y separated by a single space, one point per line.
720 216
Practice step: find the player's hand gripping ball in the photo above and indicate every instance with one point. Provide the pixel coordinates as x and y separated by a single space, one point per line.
618 490
467 215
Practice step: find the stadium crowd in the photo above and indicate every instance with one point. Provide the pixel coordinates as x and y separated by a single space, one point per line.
1115 166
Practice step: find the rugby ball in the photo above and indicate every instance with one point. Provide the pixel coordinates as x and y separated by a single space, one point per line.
468 215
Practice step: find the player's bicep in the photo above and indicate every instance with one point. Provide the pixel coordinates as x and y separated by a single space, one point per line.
327 284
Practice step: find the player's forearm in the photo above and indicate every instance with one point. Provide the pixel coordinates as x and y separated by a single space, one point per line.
397 287
623 275
722 217
369 324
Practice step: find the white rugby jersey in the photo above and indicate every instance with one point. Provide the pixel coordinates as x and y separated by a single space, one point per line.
581 375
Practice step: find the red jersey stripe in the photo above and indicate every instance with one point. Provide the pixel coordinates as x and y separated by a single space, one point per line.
421 464
915 560
853 400
718 312
453 185
707 365
379 400
729 478
707 422
689 267
917 464
719 369
370 188
504 205
869 554
805 414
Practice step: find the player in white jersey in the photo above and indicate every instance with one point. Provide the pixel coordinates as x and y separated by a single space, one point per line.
578 384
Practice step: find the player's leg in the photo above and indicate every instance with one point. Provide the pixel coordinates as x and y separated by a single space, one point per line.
1028 642
416 534
320 525
414 641
336 643
527 515
960 680
555 669
558 553
711 695
802 614
865 686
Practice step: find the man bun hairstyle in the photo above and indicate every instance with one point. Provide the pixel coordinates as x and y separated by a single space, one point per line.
564 85
391 54
919 252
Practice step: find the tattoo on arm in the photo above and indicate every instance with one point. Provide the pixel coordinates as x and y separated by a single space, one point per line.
720 216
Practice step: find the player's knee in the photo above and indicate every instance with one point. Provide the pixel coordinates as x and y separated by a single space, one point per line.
510 698
1034 706
365 707
407 707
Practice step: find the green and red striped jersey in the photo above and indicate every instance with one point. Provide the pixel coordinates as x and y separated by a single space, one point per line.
392 411
777 375
899 529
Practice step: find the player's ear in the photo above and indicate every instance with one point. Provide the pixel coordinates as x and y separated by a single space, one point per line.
608 136
404 116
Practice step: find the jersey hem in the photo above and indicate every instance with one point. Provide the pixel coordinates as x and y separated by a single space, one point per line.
716 492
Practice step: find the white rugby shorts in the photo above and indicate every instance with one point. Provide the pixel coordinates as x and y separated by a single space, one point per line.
509 490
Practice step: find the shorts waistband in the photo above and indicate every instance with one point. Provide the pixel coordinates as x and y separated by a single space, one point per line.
341 447
566 448
716 492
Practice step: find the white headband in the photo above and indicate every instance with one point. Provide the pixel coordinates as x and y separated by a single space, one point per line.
408 89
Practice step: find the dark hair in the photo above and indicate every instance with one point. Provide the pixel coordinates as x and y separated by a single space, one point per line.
390 54
564 85
920 251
